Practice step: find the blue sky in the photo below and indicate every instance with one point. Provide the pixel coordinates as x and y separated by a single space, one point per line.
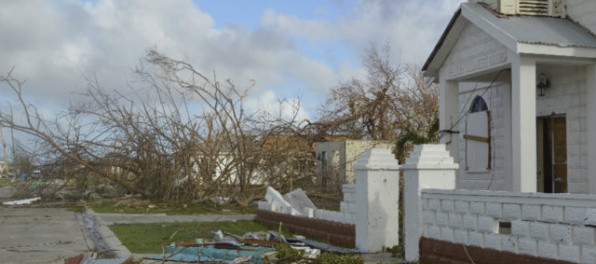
290 48
239 13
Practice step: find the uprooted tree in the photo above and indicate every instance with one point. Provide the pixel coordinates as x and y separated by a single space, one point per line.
179 136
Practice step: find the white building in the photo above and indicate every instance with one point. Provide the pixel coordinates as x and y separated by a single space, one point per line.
518 85
335 159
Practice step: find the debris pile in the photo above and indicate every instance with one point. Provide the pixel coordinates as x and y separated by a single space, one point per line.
23 201
262 247
229 248
297 212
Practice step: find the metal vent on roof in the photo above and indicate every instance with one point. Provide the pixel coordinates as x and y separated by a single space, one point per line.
533 7
530 7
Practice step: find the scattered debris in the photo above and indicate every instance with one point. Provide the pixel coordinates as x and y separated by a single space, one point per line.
248 248
224 252
242 260
299 200
131 203
23 201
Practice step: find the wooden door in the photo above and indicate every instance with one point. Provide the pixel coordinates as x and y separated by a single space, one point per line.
554 154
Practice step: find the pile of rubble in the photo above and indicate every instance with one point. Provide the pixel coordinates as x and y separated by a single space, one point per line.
228 248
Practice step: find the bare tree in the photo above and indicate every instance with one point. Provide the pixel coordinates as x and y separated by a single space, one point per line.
391 99
175 135
178 134
392 103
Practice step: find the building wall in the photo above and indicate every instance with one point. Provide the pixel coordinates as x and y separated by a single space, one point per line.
498 98
582 12
341 156
567 95
334 156
354 148
475 52
554 226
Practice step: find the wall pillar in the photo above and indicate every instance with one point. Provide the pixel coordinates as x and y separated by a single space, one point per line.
428 167
591 122
377 200
523 124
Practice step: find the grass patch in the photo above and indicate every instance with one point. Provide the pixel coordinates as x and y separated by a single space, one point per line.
134 206
5 182
149 238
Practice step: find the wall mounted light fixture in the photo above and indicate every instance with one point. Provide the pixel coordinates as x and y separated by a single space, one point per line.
542 84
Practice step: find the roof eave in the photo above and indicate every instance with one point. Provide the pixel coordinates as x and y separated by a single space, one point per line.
426 68
542 49
454 28
507 40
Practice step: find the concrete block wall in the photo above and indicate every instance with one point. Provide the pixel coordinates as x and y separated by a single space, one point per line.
497 97
565 96
375 194
347 213
275 203
554 226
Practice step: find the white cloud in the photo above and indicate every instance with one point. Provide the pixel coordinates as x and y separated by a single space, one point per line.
314 30
285 109
51 43
412 27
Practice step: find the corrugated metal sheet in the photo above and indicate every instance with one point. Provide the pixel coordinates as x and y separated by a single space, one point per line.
539 30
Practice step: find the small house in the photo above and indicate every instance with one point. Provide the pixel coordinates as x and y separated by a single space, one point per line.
517 94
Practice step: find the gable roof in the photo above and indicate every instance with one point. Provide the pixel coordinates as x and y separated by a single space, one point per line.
520 34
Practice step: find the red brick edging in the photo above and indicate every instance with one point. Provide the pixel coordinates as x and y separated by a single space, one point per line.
330 232
439 252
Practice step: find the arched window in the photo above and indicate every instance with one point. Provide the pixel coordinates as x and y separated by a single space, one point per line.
477 137
478 105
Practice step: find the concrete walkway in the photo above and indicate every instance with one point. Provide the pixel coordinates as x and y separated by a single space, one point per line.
41 235
159 218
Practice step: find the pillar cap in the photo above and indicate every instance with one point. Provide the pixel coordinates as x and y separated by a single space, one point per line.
430 156
376 159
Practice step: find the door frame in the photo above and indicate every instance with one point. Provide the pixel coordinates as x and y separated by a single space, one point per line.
540 174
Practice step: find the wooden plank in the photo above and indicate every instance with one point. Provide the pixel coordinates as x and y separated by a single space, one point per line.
477 138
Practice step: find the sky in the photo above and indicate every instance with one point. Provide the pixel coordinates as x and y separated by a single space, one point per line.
291 49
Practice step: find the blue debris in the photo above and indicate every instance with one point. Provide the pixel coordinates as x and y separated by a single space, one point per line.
225 252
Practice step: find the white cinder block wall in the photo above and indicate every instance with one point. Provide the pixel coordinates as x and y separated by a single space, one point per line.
557 226
498 98
566 95
346 215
